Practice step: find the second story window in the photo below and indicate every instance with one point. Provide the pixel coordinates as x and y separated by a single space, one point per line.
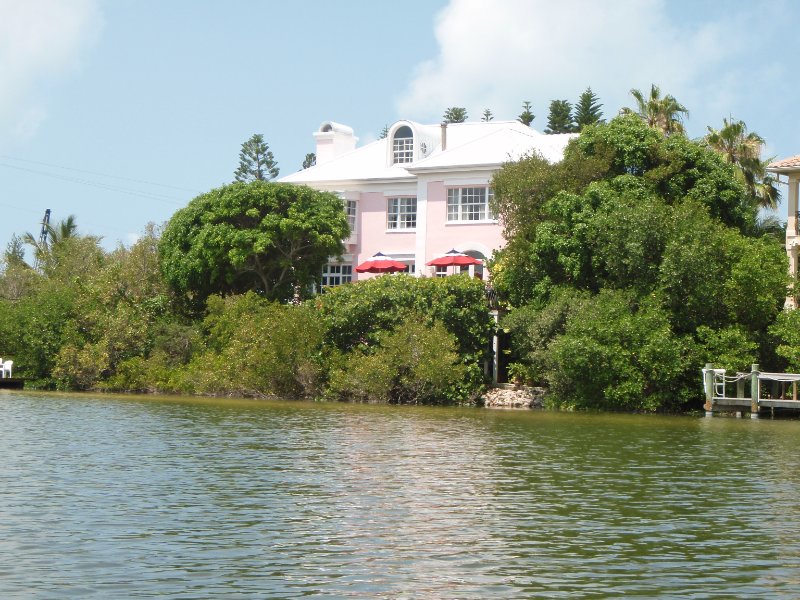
469 204
401 213
403 145
350 211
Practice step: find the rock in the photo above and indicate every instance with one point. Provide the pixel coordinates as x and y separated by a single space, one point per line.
513 397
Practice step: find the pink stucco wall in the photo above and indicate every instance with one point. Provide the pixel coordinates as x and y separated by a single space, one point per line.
442 236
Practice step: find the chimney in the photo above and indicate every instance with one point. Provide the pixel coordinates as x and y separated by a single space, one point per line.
333 140
444 136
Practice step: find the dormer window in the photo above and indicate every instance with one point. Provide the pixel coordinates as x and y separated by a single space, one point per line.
403 145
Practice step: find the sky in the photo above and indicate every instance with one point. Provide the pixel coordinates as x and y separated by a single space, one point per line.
121 111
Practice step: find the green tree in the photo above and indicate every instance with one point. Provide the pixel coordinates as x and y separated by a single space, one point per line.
260 236
587 110
487 116
663 113
15 251
384 132
455 114
559 119
526 117
310 160
742 148
256 162
630 262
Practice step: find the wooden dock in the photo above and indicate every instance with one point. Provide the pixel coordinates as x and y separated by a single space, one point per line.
11 383
755 392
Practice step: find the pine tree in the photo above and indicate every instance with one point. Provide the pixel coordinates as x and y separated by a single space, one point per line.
384 132
310 160
560 118
587 110
487 116
256 161
526 117
455 114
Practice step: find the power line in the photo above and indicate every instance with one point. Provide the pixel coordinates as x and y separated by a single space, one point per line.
99 185
131 179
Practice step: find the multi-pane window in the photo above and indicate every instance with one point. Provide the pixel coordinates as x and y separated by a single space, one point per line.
333 275
403 145
410 267
469 204
350 210
401 213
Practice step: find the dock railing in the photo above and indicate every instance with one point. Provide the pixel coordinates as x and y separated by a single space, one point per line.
731 393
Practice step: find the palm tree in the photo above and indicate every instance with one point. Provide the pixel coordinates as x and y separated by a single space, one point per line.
742 149
665 114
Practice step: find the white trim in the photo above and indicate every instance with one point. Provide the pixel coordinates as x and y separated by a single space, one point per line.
468 182
404 193
422 227
483 222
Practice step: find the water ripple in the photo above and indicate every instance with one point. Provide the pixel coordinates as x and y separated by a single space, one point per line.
138 498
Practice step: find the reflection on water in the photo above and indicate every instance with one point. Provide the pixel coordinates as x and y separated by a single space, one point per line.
132 497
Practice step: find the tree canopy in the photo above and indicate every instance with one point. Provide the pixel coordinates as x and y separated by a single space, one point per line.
587 110
663 113
742 148
526 117
256 162
559 119
265 237
631 262
455 114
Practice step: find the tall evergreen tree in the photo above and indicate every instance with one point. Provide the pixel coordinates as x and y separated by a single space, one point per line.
526 117
310 160
587 110
384 132
487 115
256 161
455 114
560 118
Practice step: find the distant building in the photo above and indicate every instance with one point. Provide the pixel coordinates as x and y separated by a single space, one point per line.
791 168
420 191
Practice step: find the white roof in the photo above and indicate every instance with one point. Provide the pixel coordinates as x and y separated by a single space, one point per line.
468 145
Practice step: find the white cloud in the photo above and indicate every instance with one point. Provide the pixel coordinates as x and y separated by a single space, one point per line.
40 40
499 54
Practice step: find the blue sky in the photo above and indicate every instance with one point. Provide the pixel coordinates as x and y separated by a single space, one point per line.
121 111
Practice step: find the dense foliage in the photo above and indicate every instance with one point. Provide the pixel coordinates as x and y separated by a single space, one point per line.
108 321
265 237
630 263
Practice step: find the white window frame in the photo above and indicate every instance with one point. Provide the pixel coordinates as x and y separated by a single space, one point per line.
403 149
334 274
351 210
462 206
401 213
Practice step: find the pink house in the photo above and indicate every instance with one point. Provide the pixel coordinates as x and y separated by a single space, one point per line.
420 191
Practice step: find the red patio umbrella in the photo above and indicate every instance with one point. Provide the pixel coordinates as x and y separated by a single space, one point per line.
380 263
454 258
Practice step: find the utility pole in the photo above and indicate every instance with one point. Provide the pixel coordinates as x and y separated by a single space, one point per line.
42 238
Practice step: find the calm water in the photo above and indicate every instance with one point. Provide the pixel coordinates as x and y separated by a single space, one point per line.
132 498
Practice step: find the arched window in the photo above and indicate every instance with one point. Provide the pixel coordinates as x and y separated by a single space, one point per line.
403 145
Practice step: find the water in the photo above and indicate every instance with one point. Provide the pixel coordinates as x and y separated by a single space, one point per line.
144 497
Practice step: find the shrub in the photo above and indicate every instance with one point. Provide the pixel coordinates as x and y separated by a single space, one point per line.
616 354
258 348
413 364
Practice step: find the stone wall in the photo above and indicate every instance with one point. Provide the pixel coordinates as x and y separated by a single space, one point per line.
513 397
